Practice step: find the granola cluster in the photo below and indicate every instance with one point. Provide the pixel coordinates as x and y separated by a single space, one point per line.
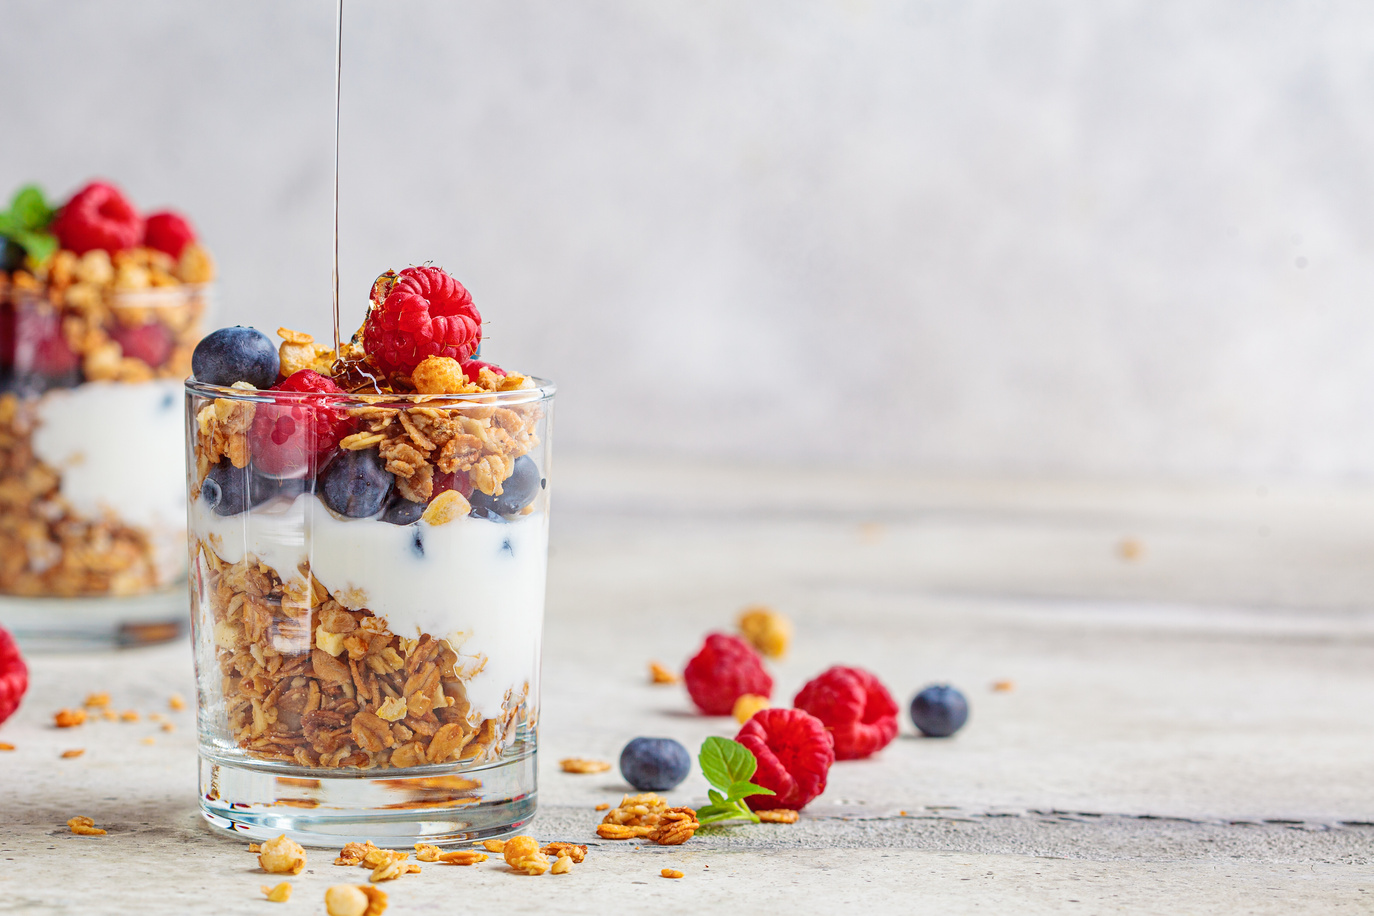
648 816
306 680
133 316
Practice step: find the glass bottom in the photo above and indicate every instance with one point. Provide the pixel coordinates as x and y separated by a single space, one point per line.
439 805
43 624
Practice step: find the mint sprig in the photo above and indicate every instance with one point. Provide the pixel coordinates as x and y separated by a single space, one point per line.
26 223
728 766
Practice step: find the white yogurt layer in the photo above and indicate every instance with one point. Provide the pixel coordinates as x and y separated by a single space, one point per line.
120 448
477 583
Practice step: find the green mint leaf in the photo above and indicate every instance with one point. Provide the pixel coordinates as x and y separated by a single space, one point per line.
746 789
711 814
717 798
29 210
725 762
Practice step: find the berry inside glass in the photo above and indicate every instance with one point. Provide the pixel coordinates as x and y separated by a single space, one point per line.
368 557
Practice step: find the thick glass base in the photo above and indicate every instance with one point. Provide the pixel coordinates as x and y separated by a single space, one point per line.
439 804
96 622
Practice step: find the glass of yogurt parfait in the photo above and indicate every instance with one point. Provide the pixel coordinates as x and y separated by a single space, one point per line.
100 309
368 554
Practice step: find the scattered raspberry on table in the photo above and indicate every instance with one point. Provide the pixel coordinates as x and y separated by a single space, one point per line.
725 669
794 753
855 707
14 676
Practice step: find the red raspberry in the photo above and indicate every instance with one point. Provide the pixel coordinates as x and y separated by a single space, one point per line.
794 752
724 670
167 231
32 342
293 435
457 480
151 342
472 367
98 216
14 676
855 707
425 313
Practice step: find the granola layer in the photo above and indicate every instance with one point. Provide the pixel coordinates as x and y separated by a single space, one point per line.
308 681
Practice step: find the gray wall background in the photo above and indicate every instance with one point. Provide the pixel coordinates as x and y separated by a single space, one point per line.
1118 238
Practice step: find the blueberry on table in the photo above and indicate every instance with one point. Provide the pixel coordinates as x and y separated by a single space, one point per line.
403 512
356 483
939 711
517 491
229 490
654 764
236 354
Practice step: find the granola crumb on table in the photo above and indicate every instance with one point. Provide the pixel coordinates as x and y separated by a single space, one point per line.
658 674
73 753
671 873
583 765
84 826
282 856
278 894
354 900
69 718
648 816
778 816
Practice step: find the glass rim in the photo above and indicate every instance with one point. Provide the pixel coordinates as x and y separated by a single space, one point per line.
543 390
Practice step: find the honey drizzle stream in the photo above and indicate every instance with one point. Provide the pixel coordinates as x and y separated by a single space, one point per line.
338 82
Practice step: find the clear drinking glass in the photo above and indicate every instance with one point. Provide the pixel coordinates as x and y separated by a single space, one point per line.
372 672
93 350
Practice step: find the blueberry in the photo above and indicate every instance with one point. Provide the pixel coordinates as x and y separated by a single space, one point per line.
939 711
489 514
11 254
403 512
236 354
654 764
517 491
356 483
229 490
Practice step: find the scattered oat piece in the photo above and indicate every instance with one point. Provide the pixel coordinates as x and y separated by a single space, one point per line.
279 894
374 856
1003 686
388 871
562 866
282 856
168 727
149 740
661 675
462 857
604 806
6 746
109 715
583 765
97 700
69 718
156 717
494 845
129 715
354 900
747 705
84 826
255 847
1130 549
573 851
73 753
778 816
426 853
766 629
522 854
176 703
671 873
